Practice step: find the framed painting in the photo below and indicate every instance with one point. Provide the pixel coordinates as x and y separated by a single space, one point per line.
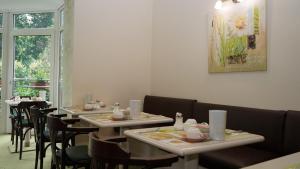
237 37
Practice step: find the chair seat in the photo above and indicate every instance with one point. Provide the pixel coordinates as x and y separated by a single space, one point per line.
25 123
76 154
234 158
59 135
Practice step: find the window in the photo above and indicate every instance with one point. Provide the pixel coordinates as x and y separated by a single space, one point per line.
1 20
33 54
34 20
32 65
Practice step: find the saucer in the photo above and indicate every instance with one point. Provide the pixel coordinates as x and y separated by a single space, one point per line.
118 119
192 140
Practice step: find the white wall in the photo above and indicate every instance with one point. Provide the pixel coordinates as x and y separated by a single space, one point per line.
180 65
112 50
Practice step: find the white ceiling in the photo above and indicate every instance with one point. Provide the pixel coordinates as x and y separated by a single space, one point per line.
27 5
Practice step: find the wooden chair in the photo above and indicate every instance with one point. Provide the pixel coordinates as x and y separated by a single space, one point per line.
39 118
108 154
13 118
76 156
23 121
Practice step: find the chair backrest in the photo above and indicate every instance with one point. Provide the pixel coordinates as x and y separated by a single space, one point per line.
57 127
105 151
23 108
168 106
39 119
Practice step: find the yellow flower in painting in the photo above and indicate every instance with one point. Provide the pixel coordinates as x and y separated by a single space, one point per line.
240 23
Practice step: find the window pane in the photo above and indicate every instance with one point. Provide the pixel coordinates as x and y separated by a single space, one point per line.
32 65
1 20
61 18
34 20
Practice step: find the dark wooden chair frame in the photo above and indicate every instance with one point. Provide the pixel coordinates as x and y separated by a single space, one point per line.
68 132
13 119
107 154
39 118
23 111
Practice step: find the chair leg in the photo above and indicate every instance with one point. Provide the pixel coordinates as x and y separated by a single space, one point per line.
41 147
17 141
21 143
53 166
41 162
12 136
36 155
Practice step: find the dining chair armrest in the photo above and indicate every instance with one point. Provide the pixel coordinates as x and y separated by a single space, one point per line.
49 110
71 120
58 115
82 130
115 139
157 160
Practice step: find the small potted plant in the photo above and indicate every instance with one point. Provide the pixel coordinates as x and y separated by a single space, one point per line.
40 72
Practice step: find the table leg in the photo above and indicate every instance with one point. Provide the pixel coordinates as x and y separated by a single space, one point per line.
140 148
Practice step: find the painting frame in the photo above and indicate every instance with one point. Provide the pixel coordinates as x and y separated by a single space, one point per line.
237 40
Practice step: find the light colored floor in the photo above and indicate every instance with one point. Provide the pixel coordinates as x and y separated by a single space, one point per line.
11 160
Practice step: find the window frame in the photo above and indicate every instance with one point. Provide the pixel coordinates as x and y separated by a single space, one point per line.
59 54
3 108
34 31
32 12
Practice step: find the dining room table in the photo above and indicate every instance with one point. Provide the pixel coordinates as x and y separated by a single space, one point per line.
76 111
106 121
160 140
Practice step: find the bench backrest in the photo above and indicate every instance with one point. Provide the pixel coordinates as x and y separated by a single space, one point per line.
269 123
168 106
292 132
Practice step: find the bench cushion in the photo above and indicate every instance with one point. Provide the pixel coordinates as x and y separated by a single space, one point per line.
292 132
168 106
268 123
234 158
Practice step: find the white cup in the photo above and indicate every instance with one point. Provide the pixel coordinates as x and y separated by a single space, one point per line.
135 108
217 124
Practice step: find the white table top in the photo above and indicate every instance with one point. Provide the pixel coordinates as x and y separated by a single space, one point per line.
177 145
79 111
15 103
105 120
291 161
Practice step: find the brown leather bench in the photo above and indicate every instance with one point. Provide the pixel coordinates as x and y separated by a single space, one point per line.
269 123
280 129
